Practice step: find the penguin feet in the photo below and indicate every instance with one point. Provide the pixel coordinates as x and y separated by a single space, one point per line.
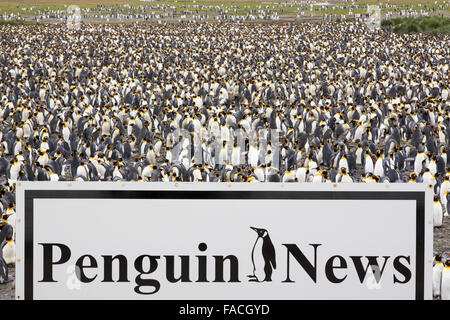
253 278
5 281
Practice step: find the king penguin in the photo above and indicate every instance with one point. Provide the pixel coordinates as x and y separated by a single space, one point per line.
445 281
437 212
437 275
263 257
5 233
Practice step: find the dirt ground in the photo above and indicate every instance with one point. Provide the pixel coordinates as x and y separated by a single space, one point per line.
442 237
8 291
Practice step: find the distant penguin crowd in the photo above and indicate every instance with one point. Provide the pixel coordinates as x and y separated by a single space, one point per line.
222 102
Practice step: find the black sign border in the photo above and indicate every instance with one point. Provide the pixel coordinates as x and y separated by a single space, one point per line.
418 196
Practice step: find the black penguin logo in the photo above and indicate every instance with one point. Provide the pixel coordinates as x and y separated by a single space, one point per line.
263 257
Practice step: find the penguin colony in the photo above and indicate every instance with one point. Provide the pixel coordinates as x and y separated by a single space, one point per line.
318 103
198 11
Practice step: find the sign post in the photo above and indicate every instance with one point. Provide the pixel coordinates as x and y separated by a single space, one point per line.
223 241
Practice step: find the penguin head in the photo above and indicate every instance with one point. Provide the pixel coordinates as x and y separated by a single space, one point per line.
261 232
5 217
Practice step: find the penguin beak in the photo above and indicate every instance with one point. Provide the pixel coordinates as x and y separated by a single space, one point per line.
255 229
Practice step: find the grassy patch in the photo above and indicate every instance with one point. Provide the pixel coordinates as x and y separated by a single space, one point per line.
31 9
433 25
16 22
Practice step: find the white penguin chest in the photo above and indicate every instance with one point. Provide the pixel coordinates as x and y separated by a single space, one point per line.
368 164
445 284
437 214
437 275
9 252
379 167
258 258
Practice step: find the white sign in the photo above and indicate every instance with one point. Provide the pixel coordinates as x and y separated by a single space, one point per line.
223 241
374 19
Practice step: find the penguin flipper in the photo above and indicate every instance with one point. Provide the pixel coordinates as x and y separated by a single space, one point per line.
268 272
4 272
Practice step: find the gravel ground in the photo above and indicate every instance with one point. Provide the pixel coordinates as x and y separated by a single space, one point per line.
8 291
442 237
